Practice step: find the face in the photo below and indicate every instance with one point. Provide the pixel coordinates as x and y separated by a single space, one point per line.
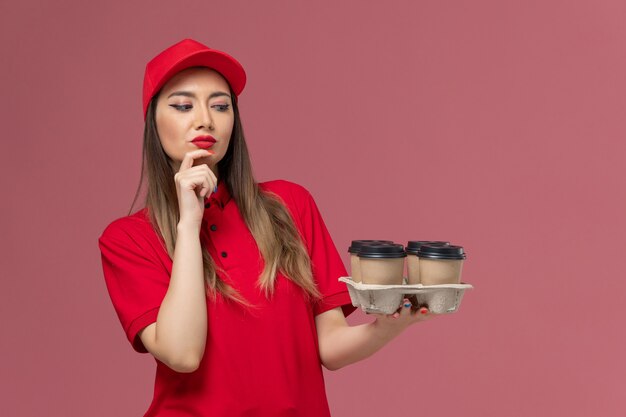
195 104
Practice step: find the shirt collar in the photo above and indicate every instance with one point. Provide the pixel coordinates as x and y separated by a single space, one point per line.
221 196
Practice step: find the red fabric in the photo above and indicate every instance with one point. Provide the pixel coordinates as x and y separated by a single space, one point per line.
186 54
260 362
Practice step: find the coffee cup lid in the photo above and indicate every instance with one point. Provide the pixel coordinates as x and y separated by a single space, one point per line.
441 252
385 250
413 246
356 244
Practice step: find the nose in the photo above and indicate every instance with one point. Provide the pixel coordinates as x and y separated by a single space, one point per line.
203 118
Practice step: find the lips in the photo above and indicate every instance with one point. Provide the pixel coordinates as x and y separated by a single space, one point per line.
204 142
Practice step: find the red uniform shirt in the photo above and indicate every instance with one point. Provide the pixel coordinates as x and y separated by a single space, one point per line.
260 362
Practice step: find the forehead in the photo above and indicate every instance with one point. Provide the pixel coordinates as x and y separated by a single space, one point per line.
196 78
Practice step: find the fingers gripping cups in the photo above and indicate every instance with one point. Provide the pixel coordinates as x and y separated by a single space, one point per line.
187 54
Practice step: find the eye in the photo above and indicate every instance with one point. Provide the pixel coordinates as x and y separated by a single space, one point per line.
221 107
182 107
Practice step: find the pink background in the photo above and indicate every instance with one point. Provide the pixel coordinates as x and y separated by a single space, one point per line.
498 125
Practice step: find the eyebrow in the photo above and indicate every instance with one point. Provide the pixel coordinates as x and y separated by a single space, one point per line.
192 95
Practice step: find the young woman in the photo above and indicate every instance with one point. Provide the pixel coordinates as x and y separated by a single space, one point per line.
232 285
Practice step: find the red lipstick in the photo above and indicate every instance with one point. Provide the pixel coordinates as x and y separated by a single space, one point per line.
204 142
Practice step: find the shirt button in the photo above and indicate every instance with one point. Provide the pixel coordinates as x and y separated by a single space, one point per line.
207 205
224 254
213 227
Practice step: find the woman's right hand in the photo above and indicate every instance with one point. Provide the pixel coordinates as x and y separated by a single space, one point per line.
193 184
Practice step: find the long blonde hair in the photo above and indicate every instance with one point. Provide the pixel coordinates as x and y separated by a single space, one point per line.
268 220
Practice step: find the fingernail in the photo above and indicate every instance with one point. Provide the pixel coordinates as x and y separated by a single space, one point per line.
423 310
407 304
215 189
395 315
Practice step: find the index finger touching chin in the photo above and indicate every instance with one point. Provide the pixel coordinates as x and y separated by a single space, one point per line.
191 156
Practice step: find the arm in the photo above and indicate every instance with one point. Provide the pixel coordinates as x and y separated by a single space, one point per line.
178 337
341 344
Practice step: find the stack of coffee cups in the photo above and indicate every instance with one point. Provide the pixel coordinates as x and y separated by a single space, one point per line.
381 262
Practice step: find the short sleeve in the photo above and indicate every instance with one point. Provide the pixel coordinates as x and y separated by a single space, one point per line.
136 279
326 261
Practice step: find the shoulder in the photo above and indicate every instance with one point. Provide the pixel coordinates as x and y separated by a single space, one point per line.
283 186
296 198
126 228
291 193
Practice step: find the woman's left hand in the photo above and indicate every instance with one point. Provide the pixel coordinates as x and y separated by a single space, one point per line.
403 318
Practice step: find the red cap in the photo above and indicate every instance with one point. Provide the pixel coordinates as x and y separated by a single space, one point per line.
186 54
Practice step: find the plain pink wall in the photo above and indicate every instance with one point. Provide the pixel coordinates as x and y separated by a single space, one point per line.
496 124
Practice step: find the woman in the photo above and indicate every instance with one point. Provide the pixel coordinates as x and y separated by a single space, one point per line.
230 284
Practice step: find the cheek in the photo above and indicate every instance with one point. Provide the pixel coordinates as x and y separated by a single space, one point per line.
168 132
228 127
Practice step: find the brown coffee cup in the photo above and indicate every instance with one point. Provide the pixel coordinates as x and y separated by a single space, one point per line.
355 246
440 264
382 264
412 259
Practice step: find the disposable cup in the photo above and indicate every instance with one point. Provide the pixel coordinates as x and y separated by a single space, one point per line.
355 246
440 264
382 264
412 260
